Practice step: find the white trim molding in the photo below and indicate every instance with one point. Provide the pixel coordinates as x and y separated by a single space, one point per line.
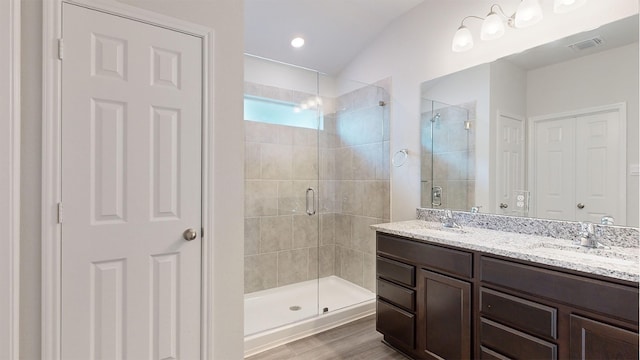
10 179
51 166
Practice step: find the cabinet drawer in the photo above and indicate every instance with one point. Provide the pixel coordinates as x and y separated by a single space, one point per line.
397 294
396 324
534 318
513 343
488 354
610 299
439 258
396 271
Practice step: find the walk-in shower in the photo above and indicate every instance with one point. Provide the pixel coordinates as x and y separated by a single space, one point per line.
316 178
447 157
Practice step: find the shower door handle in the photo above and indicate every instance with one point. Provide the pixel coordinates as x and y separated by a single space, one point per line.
311 211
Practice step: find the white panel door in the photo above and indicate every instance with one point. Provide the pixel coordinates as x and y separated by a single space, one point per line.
554 187
579 163
597 167
131 184
510 161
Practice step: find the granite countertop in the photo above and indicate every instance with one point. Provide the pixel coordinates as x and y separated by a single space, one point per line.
614 262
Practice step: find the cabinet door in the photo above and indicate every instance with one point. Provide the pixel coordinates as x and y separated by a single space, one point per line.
444 313
590 339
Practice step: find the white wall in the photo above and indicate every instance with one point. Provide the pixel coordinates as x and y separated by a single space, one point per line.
226 18
508 96
599 85
284 76
417 47
508 88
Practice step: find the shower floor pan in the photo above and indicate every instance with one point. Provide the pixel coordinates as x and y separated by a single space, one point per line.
280 315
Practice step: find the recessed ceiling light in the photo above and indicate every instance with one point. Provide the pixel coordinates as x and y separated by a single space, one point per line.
297 42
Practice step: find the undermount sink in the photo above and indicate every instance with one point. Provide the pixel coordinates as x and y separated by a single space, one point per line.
438 226
586 253
452 229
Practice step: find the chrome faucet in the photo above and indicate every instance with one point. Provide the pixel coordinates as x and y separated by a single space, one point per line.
588 235
607 220
448 221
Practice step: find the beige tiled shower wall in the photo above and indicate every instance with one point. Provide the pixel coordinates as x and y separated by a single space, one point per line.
350 154
453 153
362 180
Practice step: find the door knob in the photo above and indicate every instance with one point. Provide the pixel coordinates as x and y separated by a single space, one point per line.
189 234
503 206
580 206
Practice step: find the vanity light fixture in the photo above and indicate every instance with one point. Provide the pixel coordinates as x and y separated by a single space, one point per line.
462 40
528 13
564 6
492 26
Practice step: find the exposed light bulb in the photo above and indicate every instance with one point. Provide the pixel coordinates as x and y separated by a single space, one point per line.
565 6
492 27
297 42
462 40
529 13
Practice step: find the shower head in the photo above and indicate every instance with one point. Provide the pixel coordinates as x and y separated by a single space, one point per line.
435 118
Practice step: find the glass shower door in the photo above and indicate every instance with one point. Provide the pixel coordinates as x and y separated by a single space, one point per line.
354 189
282 120
316 178
447 163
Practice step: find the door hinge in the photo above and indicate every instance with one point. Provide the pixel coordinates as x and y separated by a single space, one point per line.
60 49
201 233
59 213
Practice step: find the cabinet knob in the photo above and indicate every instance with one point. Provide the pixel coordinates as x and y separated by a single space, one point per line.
580 206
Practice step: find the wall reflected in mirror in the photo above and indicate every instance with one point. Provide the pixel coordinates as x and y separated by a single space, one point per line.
551 132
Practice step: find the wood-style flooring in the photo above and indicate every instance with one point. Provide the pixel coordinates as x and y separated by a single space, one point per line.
356 340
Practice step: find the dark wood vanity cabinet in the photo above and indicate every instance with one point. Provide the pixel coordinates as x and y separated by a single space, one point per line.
444 316
424 298
438 302
590 339
396 303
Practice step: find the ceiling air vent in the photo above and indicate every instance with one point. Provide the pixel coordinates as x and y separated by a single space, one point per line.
587 44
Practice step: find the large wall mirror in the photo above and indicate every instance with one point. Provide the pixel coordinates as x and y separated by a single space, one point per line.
551 132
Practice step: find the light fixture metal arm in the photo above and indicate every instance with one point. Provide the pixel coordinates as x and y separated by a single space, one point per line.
510 19
470 16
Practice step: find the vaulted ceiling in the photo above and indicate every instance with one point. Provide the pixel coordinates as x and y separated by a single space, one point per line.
335 31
